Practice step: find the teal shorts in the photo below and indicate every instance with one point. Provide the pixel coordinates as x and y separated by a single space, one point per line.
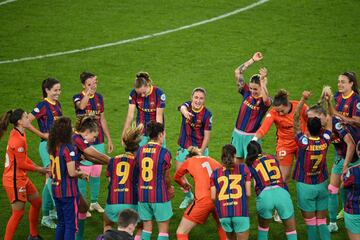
240 142
352 222
338 165
274 198
145 140
100 147
112 210
235 224
44 154
159 211
182 153
312 197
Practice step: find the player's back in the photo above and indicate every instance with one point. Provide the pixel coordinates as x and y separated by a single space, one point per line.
201 168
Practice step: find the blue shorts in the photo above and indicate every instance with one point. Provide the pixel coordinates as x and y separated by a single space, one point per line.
44 154
161 212
182 153
112 210
352 222
312 197
235 224
274 197
100 147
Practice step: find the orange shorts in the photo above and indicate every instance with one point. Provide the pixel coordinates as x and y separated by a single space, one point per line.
286 156
21 192
199 210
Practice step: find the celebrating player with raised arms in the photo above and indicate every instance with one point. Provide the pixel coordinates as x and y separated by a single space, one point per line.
149 100
155 190
231 189
311 173
64 176
194 131
46 112
91 103
270 191
18 186
256 102
282 114
352 205
123 174
200 168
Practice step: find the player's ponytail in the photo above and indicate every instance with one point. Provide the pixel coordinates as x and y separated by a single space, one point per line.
132 138
253 149
142 79
228 156
281 98
11 116
86 123
352 78
60 133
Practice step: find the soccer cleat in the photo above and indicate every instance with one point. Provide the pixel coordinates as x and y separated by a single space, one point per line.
333 227
277 217
38 237
340 215
96 206
185 203
52 214
47 222
88 214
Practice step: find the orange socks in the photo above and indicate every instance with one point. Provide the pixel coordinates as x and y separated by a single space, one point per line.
34 216
13 223
180 236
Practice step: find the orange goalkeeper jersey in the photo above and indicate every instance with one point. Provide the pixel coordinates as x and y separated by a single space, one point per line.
17 161
200 168
284 125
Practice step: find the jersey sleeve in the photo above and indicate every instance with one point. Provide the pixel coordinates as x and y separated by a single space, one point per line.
161 97
132 97
327 137
356 109
208 121
39 110
247 174
168 159
20 155
109 167
266 124
76 98
180 173
102 106
80 143
245 91
348 179
69 154
301 140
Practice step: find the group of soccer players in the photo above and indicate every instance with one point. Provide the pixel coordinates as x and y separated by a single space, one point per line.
140 178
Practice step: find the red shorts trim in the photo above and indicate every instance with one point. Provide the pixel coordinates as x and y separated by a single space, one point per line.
199 210
21 192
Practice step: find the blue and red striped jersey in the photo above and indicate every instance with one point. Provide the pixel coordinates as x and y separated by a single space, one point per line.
62 184
146 106
94 107
80 143
230 190
352 185
46 112
311 166
348 106
192 131
252 111
123 174
266 172
153 161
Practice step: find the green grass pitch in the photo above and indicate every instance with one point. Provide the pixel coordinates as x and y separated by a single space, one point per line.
306 44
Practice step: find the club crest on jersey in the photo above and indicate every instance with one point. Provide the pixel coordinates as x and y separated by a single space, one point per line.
305 141
72 153
338 126
358 106
37 110
163 97
20 149
211 119
327 136
130 98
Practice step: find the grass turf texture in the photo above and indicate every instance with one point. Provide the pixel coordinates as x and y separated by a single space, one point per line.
306 44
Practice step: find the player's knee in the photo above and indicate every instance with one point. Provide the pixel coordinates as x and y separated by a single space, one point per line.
36 203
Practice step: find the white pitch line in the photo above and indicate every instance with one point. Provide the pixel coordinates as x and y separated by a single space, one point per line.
6 2
121 42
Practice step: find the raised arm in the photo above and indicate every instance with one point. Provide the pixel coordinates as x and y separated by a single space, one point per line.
263 72
239 77
305 96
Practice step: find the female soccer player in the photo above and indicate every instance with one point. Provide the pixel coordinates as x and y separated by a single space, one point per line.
310 172
154 190
352 204
86 133
64 176
18 186
200 168
270 191
149 101
123 174
194 131
282 114
91 103
256 102
231 189
46 112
